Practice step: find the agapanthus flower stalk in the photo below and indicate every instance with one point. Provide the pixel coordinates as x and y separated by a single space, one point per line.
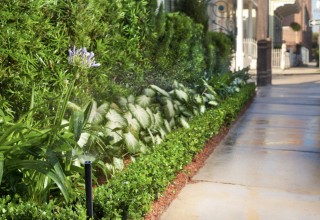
82 58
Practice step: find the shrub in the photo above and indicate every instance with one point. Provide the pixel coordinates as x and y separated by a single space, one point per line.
128 194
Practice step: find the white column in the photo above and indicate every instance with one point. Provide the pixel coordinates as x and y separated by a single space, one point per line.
159 2
250 29
239 52
283 56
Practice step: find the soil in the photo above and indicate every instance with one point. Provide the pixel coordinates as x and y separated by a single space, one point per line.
185 176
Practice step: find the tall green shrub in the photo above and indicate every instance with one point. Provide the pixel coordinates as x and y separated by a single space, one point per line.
35 37
178 53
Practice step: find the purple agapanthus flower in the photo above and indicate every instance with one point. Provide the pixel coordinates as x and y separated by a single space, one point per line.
82 58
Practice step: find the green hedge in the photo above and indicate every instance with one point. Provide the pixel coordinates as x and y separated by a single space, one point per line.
135 45
128 195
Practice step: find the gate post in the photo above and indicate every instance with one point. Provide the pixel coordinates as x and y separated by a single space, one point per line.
264 71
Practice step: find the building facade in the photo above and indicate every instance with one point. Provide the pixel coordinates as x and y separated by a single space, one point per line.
251 20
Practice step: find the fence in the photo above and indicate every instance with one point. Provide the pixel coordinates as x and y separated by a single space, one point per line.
276 57
250 50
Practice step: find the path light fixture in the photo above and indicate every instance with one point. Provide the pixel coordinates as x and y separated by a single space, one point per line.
88 186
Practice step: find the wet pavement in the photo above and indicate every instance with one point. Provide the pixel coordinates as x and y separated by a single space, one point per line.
268 167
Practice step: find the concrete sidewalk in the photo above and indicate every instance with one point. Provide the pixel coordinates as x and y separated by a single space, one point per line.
268 167
303 70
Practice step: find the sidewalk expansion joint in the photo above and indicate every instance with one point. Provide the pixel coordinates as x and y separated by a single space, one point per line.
224 183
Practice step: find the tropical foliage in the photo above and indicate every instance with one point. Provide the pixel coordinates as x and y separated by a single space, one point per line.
157 73
128 194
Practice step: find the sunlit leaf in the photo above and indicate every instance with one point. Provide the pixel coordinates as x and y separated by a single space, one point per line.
140 114
167 125
84 137
116 136
149 92
73 106
169 109
131 142
100 113
131 99
181 95
143 100
184 122
132 122
202 109
213 103
114 116
122 102
118 163
161 91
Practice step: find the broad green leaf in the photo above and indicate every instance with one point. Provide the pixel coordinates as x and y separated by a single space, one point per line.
184 122
158 140
142 147
118 163
210 88
169 109
116 136
161 91
149 92
143 100
202 109
140 114
77 124
114 116
167 125
151 135
181 95
158 119
100 113
198 99
131 99
123 102
131 142
92 112
83 140
89 112
151 116
114 125
73 106
210 97
172 123
163 132
132 122
187 113
214 103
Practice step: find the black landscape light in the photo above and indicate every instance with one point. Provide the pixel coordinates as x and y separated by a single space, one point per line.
88 183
